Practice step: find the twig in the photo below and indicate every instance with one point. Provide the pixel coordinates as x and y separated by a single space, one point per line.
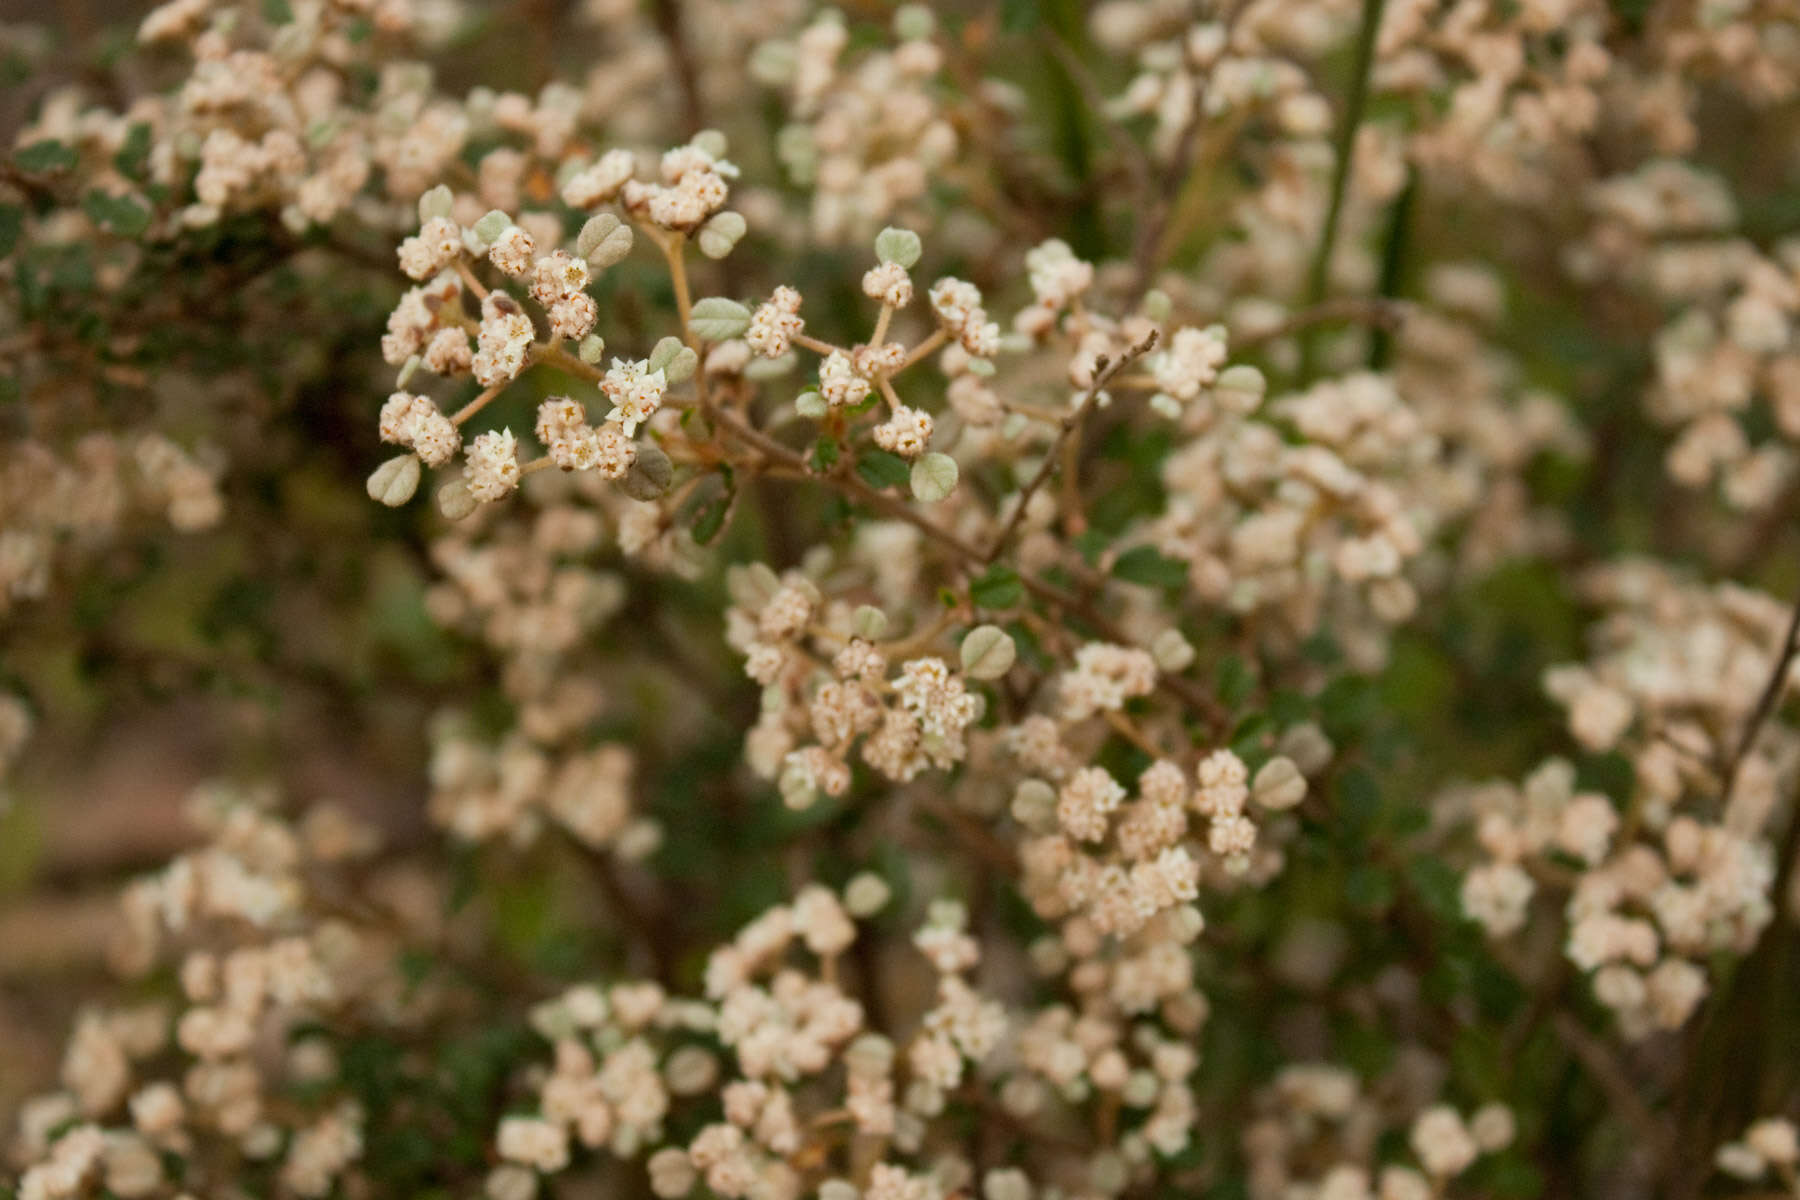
1104 370
478 403
809 342
1181 688
562 360
938 337
1765 704
1612 1079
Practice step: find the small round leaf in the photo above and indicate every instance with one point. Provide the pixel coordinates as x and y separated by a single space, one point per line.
988 652
394 481
934 477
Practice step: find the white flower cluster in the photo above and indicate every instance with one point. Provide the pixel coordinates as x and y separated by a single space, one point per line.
866 135
1654 891
261 960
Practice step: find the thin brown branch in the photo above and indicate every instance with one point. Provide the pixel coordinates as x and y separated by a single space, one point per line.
1765 703
1621 1091
1104 371
1183 689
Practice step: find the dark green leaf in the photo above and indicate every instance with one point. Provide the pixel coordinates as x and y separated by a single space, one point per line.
12 223
1019 16
879 469
1146 565
1247 739
1369 888
710 519
134 155
1234 682
1358 804
1437 886
999 588
116 214
47 155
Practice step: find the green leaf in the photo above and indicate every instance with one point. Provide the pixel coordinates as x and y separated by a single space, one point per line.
1437 886
47 155
1234 681
1510 1176
134 155
879 469
116 214
277 12
710 518
1369 888
1019 16
825 454
1146 565
12 224
999 588
1247 737
1358 804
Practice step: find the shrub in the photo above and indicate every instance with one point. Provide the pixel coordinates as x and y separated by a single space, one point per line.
1021 601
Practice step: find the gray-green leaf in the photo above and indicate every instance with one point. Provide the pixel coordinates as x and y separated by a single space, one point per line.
988 652
717 319
898 246
720 234
394 481
934 477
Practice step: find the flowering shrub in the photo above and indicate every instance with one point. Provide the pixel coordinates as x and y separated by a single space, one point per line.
1022 600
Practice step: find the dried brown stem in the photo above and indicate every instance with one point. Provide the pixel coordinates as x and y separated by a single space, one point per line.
1765 703
1104 370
